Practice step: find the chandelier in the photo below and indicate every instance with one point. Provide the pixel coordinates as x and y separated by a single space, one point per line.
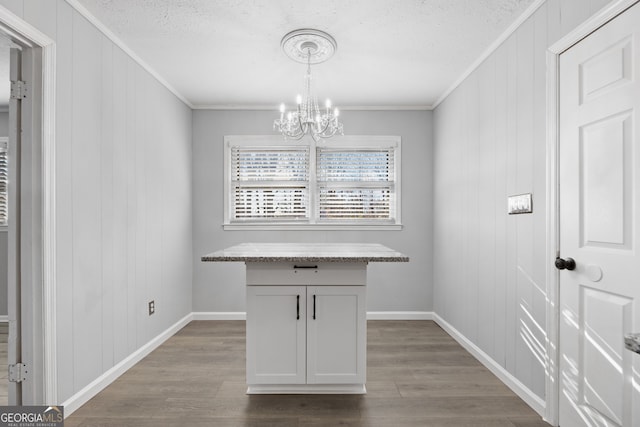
310 47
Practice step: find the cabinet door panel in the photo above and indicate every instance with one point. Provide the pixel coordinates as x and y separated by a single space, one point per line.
276 340
336 338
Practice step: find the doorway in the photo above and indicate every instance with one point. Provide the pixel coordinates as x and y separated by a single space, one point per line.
30 231
5 45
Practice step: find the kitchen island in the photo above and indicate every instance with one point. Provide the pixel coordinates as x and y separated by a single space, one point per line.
306 314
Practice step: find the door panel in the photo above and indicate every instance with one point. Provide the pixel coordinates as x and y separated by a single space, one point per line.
336 337
605 148
606 318
599 225
605 71
276 342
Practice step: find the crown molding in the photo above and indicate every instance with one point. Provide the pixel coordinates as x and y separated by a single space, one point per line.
249 107
118 42
491 49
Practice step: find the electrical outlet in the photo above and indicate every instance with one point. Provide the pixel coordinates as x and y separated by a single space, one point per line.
152 307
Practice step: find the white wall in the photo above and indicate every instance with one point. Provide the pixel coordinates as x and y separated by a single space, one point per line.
123 207
220 287
489 277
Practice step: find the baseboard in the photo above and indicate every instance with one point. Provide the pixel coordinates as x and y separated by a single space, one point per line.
219 315
399 315
536 403
371 315
97 385
4 318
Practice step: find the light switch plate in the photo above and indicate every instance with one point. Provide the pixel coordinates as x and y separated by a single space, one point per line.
520 203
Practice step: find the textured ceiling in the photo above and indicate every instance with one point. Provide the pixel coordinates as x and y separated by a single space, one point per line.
402 53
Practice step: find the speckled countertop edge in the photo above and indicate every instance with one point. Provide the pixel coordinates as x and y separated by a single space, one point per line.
306 252
214 258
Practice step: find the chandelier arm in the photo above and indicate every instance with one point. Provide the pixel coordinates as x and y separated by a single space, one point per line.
326 126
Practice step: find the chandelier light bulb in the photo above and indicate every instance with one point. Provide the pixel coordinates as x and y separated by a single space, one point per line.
328 104
298 99
282 108
336 112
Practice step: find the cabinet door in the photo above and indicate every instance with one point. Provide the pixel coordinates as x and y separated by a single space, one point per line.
276 342
336 335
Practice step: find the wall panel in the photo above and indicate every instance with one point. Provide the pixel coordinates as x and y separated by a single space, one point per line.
107 230
513 100
500 190
486 204
120 191
86 136
64 200
111 252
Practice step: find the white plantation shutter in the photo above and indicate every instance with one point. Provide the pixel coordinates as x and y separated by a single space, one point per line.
356 184
269 183
350 181
4 182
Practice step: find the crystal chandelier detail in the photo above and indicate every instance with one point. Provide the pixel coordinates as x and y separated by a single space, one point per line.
310 47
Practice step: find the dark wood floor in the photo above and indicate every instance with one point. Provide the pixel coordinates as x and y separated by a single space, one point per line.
417 376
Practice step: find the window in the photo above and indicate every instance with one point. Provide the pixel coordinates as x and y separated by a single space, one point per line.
4 181
345 182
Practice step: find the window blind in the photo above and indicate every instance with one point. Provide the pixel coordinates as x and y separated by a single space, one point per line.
355 183
4 182
270 183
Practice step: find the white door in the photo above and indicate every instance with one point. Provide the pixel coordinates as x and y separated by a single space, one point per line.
600 225
336 335
276 337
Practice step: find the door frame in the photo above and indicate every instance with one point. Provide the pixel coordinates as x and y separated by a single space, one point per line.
43 387
552 374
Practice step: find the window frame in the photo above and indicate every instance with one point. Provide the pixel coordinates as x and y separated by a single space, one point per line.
313 223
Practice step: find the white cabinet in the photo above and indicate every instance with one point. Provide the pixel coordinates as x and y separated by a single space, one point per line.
276 335
336 335
306 338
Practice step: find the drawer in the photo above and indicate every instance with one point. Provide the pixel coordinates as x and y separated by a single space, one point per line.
307 273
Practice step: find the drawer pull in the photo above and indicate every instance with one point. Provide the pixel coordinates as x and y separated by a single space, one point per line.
308 267
314 307
297 307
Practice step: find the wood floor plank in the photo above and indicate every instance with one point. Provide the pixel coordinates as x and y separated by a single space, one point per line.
417 376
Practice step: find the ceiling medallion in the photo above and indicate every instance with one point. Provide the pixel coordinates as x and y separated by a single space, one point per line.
308 46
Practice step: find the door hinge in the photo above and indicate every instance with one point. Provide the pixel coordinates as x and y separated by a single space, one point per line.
18 89
18 372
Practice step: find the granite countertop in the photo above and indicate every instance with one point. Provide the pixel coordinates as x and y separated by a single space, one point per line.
632 342
312 252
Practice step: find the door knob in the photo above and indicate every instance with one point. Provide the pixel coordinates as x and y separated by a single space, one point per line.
565 264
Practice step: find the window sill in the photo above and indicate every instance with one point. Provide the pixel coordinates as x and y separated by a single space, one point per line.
308 227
